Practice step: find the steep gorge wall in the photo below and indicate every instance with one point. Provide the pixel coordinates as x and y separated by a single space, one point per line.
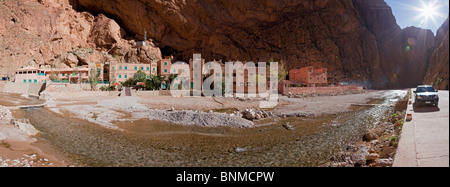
403 53
52 33
357 40
437 74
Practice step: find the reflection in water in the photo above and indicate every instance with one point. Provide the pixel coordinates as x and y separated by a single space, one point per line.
154 143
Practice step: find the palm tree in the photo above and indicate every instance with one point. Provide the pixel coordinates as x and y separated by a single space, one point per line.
171 78
154 82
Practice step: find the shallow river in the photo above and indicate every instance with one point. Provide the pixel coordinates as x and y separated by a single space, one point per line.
154 143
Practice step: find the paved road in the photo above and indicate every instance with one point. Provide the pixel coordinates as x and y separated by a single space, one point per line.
425 140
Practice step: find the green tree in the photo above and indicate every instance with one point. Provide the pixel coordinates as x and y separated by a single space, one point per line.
154 83
94 78
129 82
282 70
171 78
140 76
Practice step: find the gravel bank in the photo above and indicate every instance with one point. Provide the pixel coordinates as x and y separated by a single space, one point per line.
210 119
119 109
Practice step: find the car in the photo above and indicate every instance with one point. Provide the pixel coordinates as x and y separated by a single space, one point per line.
426 94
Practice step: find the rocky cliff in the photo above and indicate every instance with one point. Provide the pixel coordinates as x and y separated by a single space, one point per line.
357 40
403 52
437 74
52 33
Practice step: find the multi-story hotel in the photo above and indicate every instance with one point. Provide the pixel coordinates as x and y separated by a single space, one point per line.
123 71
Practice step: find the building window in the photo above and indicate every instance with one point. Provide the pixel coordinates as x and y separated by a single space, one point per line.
126 76
154 69
35 80
29 81
135 67
126 67
165 70
148 76
120 67
120 76
24 81
165 63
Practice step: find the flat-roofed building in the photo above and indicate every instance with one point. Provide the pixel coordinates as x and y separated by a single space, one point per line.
310 76
39 75
123 71
164 66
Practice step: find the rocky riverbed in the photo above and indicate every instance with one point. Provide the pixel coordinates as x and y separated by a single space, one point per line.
378 145
17 140
134 138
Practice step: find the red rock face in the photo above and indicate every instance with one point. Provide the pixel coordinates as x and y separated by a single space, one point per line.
437 74
51 32
300 33
357 40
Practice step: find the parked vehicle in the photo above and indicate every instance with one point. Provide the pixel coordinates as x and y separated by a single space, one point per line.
426 94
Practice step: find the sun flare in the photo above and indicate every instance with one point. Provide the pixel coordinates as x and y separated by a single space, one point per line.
428 11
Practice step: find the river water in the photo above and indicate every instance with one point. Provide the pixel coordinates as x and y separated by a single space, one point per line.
155 143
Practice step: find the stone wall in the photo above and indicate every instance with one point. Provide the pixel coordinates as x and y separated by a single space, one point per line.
319 90
66 95
22 88
147 93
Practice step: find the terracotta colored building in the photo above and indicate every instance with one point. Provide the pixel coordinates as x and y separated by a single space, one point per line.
123 71
164 66
309 76
196 75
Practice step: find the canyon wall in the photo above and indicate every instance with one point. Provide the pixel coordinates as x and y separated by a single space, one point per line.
357 40
52 33
437 74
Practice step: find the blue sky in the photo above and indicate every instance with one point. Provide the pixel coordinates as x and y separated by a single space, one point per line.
412 13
